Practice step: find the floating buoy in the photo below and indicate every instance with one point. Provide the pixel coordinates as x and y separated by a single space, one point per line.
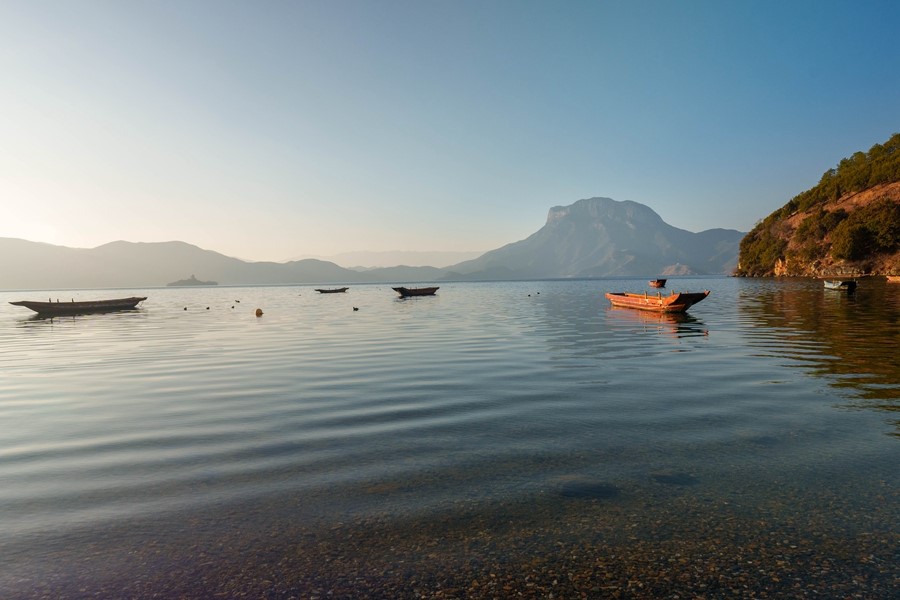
259 312
207 308
185 308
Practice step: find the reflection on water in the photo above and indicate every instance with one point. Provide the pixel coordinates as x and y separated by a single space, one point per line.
524 436
675 325
850 338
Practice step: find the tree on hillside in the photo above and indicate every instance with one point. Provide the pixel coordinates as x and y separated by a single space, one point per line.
874 230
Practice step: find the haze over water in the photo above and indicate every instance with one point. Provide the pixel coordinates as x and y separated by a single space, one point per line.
493 439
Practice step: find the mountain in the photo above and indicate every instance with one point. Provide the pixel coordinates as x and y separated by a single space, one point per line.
31 265
597 237
601 237
848 223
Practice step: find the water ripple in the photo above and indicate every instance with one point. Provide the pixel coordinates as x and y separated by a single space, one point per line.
485 391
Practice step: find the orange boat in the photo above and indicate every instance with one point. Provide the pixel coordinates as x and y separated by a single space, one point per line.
676 302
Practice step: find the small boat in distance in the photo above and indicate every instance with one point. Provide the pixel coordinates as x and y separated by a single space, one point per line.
843 285
676 302
81 307
191 281
893 278
424 291
658 283
332 291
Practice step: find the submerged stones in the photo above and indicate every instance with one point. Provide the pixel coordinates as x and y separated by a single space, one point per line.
588 489
675 478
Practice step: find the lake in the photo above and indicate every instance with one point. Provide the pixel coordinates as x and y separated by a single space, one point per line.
493 440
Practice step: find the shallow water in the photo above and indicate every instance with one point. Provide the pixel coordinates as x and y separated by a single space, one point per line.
192 435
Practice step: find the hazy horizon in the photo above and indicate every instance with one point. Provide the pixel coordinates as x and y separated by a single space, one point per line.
393 258
320 129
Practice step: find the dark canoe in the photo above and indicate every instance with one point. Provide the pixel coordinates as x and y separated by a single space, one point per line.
334 291
80 308
425 291
676 302
658 283
844 285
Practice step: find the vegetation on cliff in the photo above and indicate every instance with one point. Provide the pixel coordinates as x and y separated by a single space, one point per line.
848 223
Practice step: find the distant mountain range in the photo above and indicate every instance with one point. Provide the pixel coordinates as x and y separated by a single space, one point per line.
597 237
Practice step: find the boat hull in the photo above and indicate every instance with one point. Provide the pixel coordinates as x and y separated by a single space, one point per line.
81 308
677 302
405 292
657 283
843 285
334 291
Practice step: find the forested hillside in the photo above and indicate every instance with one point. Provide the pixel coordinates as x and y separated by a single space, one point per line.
848 223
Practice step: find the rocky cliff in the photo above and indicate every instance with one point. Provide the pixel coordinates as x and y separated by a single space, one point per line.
849 223
815 257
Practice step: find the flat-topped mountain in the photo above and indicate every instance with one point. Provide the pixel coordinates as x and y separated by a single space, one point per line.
601 237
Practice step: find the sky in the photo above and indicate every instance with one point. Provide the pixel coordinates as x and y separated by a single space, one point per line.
269 130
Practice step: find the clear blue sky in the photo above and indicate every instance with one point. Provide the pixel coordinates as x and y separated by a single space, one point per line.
268 130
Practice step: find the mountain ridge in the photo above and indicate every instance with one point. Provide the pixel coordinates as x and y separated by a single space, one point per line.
594 237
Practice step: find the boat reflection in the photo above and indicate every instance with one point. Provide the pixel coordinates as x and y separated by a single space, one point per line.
676 325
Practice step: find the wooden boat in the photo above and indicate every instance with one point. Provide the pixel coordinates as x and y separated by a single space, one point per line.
844 285
893 278
424 291
332 291
658 283
676 302
82 307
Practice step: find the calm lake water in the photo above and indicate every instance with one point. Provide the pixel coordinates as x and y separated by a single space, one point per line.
495 439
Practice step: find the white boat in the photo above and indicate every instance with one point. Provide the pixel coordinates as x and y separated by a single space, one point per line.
844 285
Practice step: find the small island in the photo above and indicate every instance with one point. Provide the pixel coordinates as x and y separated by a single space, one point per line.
192 281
